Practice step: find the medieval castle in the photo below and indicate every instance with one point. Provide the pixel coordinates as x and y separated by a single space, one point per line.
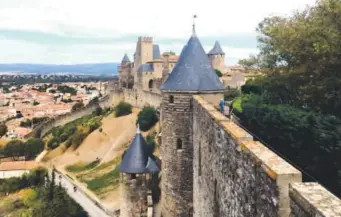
209 166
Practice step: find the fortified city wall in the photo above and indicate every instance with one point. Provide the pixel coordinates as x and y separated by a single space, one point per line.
236 176
137 99
43 128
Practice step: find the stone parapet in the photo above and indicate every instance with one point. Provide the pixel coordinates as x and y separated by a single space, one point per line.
313 200
234 175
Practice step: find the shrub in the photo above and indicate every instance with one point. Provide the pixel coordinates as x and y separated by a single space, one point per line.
122 109
77 139
100 130
77 106
3 130
218 72
147 118
14 148
33 147
53 143
150 139
98 111
94 126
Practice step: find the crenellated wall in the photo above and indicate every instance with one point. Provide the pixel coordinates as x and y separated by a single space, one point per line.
235 176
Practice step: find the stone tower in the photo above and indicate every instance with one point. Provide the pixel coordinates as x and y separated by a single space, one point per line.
143 54
193 74
137 163
217 57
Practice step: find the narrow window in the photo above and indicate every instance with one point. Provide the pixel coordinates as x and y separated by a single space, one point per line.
178 144
171 99
133 176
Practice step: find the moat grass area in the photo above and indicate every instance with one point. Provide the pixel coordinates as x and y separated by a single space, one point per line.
100 179
81 166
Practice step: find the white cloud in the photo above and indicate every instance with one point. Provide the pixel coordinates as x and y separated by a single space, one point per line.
112 19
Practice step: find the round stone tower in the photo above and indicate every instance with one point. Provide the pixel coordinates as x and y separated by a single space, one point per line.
137 163
217 57
193 74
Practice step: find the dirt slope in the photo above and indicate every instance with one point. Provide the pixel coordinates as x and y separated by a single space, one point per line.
104 145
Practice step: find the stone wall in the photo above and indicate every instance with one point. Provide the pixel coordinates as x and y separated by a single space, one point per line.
43 128
137 99
312 200
233 175
177 155
133 195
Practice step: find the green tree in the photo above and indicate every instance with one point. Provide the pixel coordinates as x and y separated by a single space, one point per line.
33 147
53 143
77 106
3 130
122 109
296 106
146 118
218 72
14 149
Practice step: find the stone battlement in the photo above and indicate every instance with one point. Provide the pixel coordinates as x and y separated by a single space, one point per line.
237 176
311 199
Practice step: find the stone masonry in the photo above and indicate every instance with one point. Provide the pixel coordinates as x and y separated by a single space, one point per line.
133 193
312 200
177 154
233 175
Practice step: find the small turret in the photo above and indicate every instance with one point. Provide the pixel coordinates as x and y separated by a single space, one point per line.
217 57
137 162
125 59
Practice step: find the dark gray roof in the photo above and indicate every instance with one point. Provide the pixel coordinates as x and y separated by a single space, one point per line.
125 58
156 52
193 71
138 158
147 67
216 50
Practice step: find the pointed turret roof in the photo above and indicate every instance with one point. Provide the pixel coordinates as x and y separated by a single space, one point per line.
216 50
193 71
138 158
125 58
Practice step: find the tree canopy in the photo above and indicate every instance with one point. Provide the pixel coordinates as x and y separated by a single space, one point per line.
296 106
3 130
303 53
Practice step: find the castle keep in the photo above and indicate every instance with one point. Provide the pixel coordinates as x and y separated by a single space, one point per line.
210 166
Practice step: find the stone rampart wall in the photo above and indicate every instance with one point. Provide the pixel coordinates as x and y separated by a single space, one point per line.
237 176
43 128
313 200
137 99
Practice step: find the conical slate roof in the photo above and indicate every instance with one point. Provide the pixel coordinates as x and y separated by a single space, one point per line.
137 158
193 71
125 58
216 50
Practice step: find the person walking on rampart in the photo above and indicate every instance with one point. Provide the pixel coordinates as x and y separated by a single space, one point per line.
222 105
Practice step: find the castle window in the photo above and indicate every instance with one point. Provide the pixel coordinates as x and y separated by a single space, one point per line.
178 144
171 99
132 176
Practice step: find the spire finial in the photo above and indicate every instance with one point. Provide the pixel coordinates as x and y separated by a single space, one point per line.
193 28
138 129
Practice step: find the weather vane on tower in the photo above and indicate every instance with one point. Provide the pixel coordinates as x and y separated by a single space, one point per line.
194 17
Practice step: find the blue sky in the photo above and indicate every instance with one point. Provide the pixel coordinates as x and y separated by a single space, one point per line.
88 31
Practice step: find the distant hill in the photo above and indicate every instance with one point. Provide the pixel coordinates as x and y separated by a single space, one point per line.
78 69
